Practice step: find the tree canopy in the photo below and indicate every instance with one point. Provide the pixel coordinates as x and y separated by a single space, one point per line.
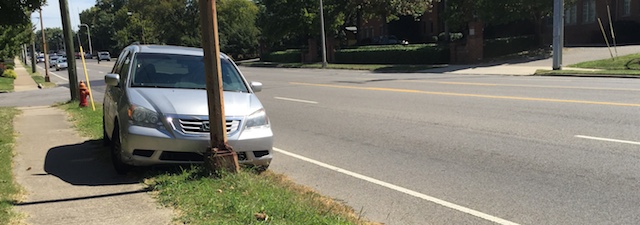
117 23
18 11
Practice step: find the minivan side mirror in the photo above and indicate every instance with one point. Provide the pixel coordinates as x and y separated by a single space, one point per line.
256 86
112 79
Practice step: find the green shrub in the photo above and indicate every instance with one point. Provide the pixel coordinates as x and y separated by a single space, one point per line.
505 46
9 73
286 56
394 54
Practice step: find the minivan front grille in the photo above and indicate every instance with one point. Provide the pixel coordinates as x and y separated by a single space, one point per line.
195 126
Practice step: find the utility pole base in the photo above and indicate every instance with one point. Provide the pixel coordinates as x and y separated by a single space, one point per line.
219 160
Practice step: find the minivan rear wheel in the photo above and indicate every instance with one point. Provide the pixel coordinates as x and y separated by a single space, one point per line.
116 153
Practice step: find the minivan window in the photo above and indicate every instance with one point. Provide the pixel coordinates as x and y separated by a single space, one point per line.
180 71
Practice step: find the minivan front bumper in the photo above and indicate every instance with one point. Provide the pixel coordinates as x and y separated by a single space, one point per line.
142 146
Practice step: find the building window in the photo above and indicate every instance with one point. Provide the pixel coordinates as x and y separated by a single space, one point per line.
571 15
626 7
589 11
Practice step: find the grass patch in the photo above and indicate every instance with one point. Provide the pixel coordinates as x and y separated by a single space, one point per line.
233 198
84 119
38 78
626 62
241 198
369 67
6 84
8 189
623 66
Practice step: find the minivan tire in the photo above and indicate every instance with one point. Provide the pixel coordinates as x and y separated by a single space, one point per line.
116 153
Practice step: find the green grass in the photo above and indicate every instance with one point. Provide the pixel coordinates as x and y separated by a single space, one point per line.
8 189
6 84
370 67
617 63
232 198
37 77
623 66
237 198
87 121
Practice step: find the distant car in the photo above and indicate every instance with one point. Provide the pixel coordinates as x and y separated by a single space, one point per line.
40 59
53 60
77 54
61 63
104 56
88 55
388 40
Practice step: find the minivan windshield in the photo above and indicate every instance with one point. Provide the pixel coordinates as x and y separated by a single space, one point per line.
180 71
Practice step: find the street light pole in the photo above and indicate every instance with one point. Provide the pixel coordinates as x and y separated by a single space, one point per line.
324 42
89 35
44 49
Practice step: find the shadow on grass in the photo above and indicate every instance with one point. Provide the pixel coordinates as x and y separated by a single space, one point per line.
633 64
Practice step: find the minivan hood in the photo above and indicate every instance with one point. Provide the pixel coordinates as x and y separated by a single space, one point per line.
192 101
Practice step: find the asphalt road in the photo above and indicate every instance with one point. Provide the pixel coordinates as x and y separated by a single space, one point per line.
95 72
424 148
454 149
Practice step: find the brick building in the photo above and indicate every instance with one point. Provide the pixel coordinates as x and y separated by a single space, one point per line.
581 23
582 27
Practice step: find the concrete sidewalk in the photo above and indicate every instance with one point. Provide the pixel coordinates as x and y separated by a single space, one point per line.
70 180
571 55
23 82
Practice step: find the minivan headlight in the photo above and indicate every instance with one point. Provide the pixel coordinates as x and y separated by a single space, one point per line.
257 119
142 116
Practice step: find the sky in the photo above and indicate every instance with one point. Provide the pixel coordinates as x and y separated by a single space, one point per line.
51 13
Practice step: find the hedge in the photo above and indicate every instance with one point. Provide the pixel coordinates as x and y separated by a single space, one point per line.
505 46
286 56
9 74
394 54
373 54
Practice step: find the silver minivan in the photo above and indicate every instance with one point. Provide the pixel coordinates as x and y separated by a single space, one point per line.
156 109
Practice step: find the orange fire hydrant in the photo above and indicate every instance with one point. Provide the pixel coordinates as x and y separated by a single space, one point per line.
84 93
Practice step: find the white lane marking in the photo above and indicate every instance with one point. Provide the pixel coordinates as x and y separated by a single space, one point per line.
296 100
65 79
401 189
607 139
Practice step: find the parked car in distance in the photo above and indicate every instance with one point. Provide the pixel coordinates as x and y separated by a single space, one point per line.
156 109
53 59
61 63
87 55
388 40
104 56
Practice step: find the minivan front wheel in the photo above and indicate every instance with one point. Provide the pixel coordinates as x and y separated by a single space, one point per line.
116 153
105 138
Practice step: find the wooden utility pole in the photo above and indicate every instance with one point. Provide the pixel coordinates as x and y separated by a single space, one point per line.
68 39
44 50
220 156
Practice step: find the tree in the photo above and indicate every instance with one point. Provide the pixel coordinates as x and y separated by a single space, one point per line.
118 23
12 37
18 11
292 22
495 12
238 31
